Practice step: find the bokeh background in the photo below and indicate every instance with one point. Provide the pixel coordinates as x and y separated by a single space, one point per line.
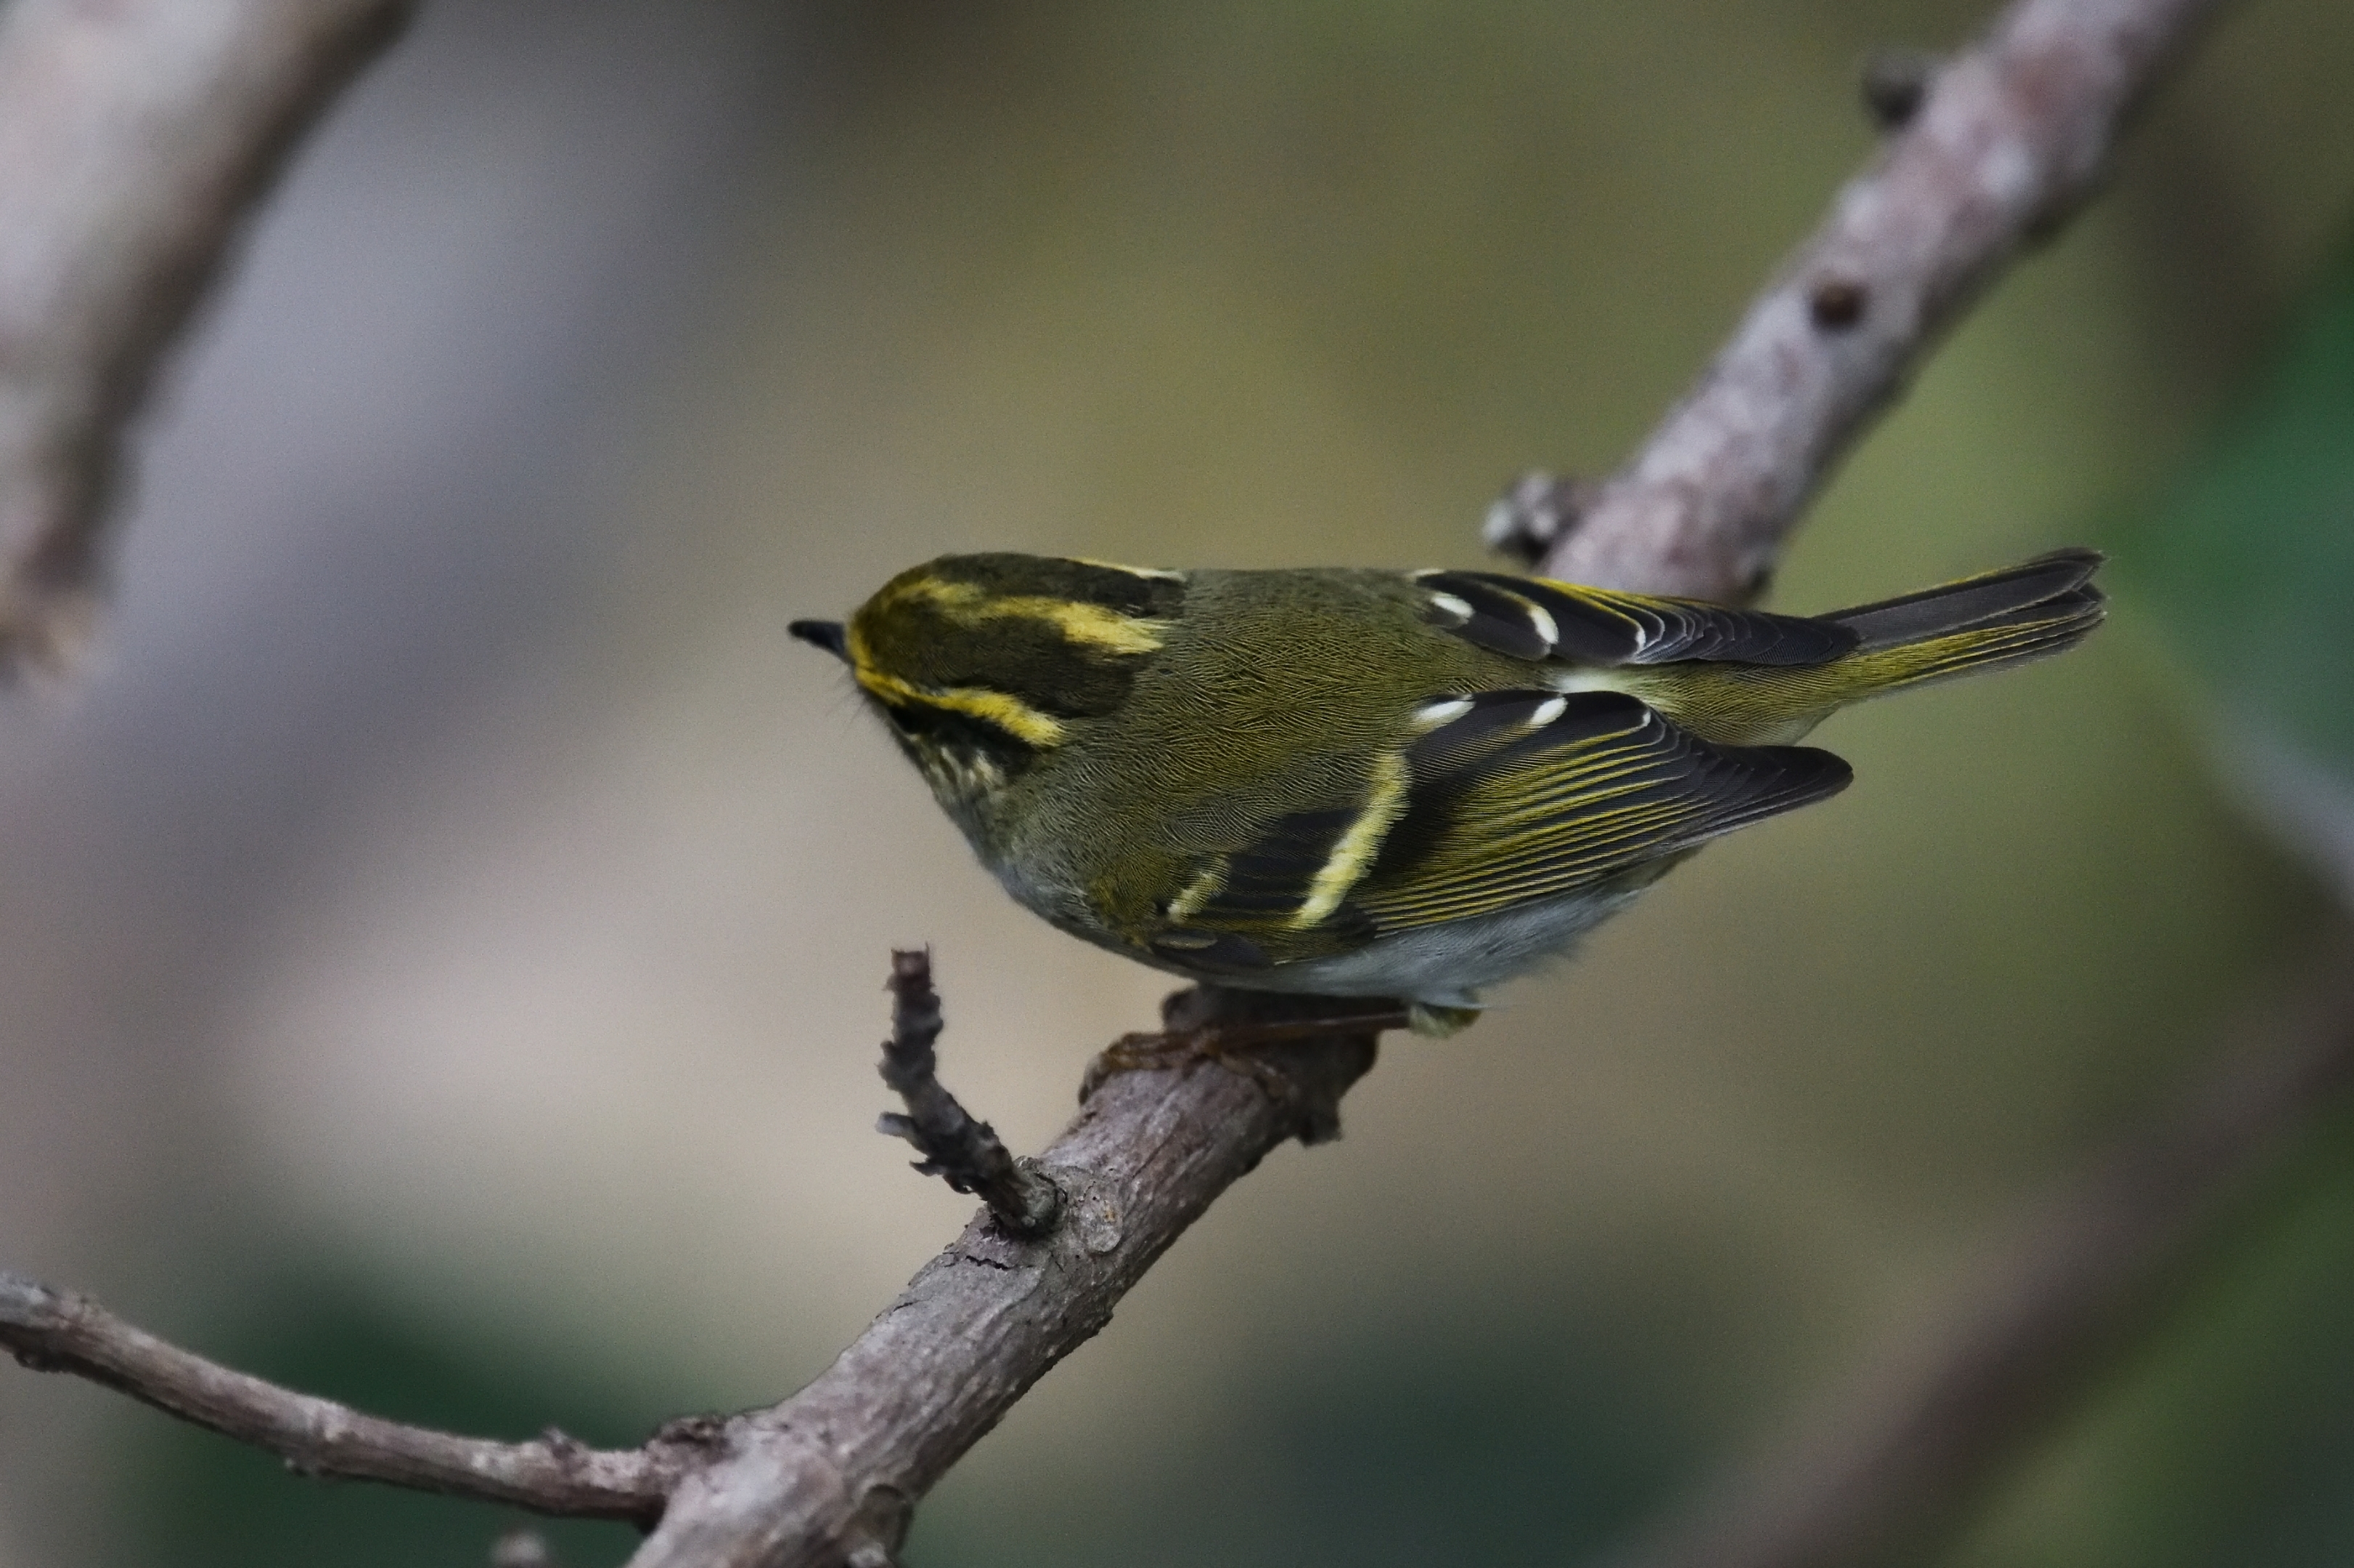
442 936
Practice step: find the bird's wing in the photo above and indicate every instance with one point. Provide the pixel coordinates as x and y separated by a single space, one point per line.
1523 797
1507 811
1536 618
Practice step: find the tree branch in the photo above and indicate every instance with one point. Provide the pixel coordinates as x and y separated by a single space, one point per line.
965 1153
136 138
171 129
59 1330
831 1475
1903 1453
2012 137
836 1469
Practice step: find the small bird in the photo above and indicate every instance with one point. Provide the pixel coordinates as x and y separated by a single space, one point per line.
1353 783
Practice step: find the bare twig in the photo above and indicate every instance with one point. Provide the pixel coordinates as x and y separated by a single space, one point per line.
967 1154
59 1330
2013 134
1899 1460
831 1475
135 137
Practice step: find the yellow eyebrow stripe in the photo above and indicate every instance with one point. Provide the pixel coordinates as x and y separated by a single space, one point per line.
1010 714
1352 856
1090 625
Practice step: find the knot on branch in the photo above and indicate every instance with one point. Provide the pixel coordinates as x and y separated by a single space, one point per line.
703 1435
31 1316
878 1528
964 1152
1895 84
567 1453
1538 511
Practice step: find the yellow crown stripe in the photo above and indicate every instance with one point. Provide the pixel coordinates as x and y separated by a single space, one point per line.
1089 625
1010 714
1352 856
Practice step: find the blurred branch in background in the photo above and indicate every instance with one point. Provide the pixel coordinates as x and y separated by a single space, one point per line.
135 138
2008 141
1915 1442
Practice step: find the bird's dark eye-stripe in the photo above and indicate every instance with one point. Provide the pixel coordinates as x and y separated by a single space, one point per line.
946 730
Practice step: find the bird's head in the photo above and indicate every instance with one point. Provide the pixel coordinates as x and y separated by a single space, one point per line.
982 665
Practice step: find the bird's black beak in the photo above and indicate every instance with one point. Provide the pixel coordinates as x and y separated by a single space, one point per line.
825 634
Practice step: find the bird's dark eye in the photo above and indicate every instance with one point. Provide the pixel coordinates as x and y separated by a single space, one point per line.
825 634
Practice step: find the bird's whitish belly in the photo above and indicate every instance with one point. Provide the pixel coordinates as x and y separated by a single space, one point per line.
1450 964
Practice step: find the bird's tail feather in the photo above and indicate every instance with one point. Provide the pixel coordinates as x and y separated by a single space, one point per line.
2027 611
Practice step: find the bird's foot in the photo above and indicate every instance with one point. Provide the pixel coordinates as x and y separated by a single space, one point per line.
1232 1044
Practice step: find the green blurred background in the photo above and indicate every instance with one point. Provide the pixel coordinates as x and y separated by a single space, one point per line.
443 935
